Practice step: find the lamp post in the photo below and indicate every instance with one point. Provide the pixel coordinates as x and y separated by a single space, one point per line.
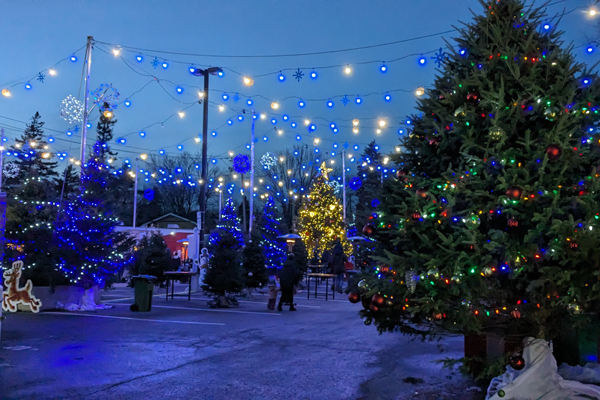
204 171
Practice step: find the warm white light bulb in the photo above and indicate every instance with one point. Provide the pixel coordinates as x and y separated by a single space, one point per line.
221 108
420 91
197 139
248 81
355 122
181 114
348 70
51 72
275 105
116 52
382 123
593 12
306 122
143 156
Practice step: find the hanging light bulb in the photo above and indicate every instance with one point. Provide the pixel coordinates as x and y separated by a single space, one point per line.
355 122
382 123
275 105
248 81
355 129
108 114
347 70
52 72
116 52
6 93
593 12
181 114
222 108
143 156
420 91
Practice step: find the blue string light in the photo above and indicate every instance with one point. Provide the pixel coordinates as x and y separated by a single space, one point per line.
301 104
179 89
313 75
143 134
281 77
225 96
383 68
387 97
139 58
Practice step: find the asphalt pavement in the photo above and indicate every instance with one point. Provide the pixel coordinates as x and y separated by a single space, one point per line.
184 349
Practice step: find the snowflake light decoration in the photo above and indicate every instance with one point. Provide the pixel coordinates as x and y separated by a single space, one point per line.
11 169
298 75
268 161
236 98
439 57
336 186
155 63
71 110
41 77
241 164
345 100
355 183
106 97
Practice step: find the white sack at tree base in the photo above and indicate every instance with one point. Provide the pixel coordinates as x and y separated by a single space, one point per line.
539 379
589 373
86 303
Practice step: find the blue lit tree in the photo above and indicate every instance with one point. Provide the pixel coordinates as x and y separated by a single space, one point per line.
229 223
88 249
273 250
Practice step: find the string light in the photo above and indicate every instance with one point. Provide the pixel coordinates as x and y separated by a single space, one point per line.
248 81
420 91
6 93
347 70
275 105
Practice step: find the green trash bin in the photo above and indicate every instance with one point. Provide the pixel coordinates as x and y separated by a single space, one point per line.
143 289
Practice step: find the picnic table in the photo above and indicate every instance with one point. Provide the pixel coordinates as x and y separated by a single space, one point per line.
317 276
174 275
319 268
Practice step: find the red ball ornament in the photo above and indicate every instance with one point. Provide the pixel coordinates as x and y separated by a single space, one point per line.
416 215
515 314
354 298
368 230
553 152
421 193
401 173
437 316
513 223
473 97
573 245
517 362
514 192
373 308
378 300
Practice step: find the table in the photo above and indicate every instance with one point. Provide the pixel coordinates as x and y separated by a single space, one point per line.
316 276
319 268
173 275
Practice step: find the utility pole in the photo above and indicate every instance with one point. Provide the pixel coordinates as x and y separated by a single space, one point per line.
1 157
135 193
251 178
88 68
344 187
204 170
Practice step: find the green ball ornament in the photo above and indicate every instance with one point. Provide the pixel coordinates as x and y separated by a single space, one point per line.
501 393
363 287
473 221
497 133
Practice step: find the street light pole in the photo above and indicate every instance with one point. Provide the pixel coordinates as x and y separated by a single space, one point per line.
344 186
204 170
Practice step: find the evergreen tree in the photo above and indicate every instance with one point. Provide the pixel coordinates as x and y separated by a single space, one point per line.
224 270
90 250
152 257
369 171
492 225
320 218
30 220
32 150
229 223
254 263
273 249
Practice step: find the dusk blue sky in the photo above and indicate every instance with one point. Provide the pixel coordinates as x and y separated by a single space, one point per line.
37 34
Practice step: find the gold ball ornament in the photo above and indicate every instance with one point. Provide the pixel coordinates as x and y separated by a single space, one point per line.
497 133
487 271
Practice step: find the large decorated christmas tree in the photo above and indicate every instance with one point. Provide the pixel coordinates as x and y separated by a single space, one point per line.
89 249
493 223
369 180
320 216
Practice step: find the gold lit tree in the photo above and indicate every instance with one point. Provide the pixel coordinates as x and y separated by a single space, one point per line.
320 219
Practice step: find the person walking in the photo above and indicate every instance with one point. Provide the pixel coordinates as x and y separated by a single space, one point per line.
338 266
288 278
